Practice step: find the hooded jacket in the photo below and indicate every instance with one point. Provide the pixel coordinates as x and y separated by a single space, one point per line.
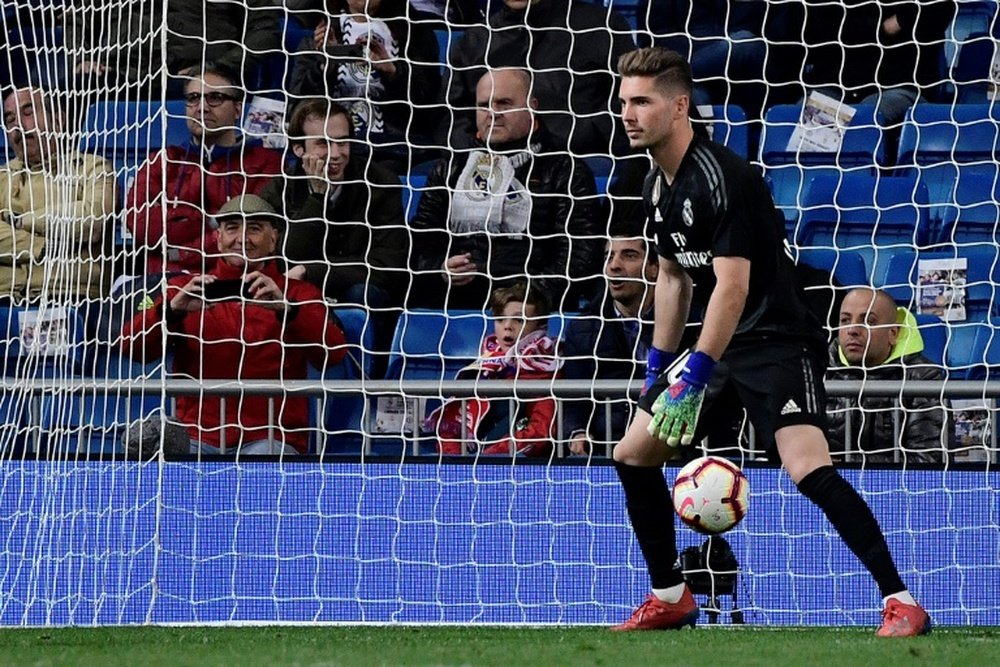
922 430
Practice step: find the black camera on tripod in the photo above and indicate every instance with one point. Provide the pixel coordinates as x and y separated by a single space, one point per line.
712 569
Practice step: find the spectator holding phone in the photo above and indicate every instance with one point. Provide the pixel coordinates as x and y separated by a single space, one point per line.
241 320
367 56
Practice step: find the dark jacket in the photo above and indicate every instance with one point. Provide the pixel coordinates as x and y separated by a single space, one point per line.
360 237
597 346
230 33
572 54
849 48
921 421
561 239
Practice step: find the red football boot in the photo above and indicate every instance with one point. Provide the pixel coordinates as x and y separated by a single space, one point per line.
655 614
903 620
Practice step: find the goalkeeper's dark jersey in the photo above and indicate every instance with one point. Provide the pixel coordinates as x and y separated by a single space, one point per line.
720 206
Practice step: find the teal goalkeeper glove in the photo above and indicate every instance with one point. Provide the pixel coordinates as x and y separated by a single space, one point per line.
676 410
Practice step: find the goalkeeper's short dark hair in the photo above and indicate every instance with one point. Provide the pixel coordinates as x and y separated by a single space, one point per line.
670 69
315 107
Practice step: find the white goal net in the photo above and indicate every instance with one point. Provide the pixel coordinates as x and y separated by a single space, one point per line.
331 311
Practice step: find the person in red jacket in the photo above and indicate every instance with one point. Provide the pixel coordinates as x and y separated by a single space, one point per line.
241 320
170 214
519 349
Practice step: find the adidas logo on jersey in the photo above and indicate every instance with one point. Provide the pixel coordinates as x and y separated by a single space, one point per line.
790 408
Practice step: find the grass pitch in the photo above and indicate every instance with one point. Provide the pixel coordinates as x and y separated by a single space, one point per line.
549 647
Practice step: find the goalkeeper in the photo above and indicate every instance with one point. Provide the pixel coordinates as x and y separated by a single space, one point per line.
723 260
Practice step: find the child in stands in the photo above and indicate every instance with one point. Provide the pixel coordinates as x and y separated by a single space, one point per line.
519 348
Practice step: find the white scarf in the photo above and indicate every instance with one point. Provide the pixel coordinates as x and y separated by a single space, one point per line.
488 198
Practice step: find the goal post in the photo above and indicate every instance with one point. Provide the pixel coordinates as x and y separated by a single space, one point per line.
129 491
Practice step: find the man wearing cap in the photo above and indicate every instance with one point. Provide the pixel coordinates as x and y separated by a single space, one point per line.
241 320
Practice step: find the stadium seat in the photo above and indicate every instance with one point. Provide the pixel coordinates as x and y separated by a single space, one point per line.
965 354
435 345
934 332
971 17
943 143
972 69
728 126
971 213
789 171
870 215
127 132
360 337
847 267
981 283
344 414
93 422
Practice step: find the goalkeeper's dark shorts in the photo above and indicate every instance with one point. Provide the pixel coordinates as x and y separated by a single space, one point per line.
778 382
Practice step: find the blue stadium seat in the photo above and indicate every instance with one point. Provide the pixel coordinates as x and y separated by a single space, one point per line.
846 266
344 414
94 422
360 335
972 69
989 342
944 143
972 212
433 344
728 126
934 333
127 132
870 215
965 354
788 171
983 273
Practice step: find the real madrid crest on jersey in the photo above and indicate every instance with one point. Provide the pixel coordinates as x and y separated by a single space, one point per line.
687 215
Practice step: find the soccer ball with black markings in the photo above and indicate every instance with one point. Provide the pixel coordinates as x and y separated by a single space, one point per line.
711 495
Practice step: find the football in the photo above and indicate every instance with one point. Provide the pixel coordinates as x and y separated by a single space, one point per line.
711 495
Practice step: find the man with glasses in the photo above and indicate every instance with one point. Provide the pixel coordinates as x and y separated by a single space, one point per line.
170 214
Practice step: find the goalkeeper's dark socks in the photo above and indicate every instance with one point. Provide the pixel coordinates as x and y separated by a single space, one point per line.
651 511
853 519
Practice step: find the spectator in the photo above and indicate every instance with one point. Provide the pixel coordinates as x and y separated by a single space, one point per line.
508 210
390 79
114 52
572 49
57 206
346 231
883 53
611 338
234 35
174 226
241 320
878 341
519 349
